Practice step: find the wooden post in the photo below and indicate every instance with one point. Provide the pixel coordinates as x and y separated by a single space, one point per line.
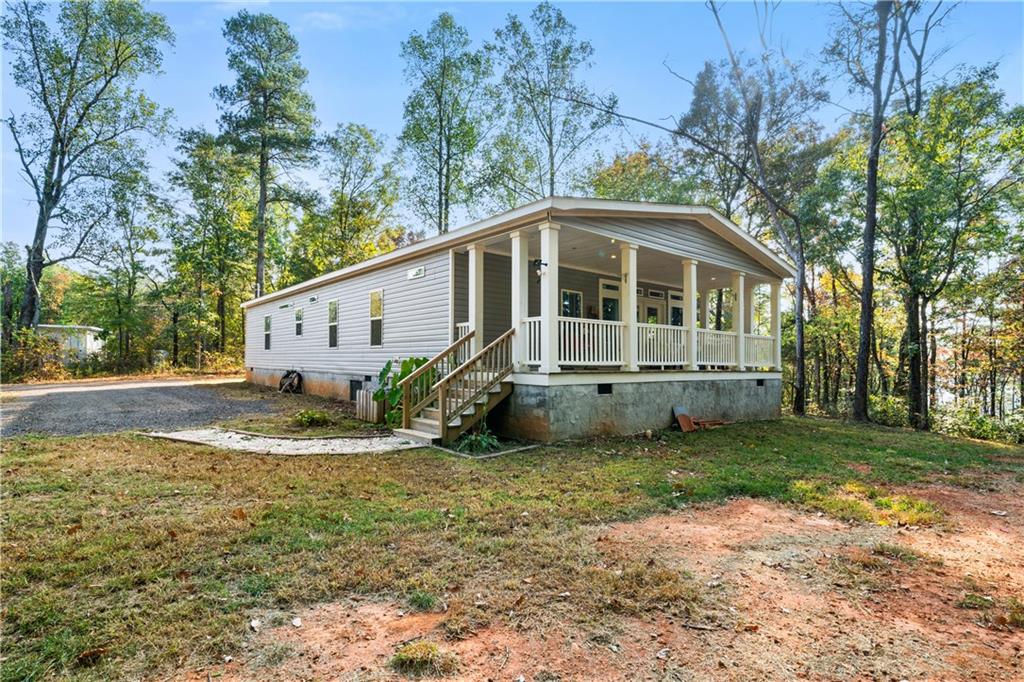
520 297
739 305
690 311
442 412
476 295
629 282
549 298
776 325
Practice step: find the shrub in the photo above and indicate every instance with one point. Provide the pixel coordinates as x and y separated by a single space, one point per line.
33 357
389 391
478 441
967 420
309 418
888 410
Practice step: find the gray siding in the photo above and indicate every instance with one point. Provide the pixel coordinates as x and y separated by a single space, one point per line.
415 321
682 237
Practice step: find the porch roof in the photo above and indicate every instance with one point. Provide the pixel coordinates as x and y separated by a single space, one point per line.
552 208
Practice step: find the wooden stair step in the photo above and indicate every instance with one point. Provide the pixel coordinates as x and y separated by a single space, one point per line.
417 436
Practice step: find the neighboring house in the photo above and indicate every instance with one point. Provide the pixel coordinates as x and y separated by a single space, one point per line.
76 341
523 316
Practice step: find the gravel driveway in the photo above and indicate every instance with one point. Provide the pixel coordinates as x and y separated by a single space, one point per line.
104 407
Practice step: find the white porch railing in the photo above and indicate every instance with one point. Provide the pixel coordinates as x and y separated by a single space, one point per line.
660 344
531 337
463 352
758 350
715 347
589 342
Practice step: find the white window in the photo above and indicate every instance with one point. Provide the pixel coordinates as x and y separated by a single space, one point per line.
377 317
572 303
298 322
332 324
266 332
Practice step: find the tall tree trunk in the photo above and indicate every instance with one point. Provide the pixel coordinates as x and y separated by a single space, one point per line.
911 304
799 368
7 314
923 420
883 378
261 218
719 299
867 291
222 325
174 338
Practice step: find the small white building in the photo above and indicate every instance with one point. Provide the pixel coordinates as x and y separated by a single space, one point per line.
77 341
562 318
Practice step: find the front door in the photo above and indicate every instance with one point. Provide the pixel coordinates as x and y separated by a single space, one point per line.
650 311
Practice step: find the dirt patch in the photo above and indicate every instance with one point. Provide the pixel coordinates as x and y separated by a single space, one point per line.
787 595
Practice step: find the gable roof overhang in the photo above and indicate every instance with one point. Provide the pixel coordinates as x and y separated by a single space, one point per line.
549 209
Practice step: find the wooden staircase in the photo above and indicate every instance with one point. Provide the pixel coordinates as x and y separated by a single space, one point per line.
443 398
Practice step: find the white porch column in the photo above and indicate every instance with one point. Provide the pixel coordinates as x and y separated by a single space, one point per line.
738 291
629 282
776 326
549 298
690 311
520 296
748 308
476 295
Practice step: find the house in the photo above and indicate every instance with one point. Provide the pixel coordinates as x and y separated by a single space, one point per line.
77 341
523 317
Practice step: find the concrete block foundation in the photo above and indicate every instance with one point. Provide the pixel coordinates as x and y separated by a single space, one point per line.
556 412
324 384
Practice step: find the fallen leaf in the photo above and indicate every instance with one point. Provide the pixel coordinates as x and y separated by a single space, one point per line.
238 514
74 528
92 655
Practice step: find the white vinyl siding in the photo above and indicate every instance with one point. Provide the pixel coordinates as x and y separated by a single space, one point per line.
416 311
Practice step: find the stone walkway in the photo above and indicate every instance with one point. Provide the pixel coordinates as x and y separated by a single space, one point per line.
277 445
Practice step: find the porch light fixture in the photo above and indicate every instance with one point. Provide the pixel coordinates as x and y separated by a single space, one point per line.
538 264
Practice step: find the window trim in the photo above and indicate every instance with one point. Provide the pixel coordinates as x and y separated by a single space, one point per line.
332 306
268 321
561 298
379 319
299 315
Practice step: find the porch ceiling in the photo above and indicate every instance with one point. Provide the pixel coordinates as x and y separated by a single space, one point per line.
584 250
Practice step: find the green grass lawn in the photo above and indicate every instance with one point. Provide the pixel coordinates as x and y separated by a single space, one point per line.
123 554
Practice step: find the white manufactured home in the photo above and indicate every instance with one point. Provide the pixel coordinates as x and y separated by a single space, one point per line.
566 317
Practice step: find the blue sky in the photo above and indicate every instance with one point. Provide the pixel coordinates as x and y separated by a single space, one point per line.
352 53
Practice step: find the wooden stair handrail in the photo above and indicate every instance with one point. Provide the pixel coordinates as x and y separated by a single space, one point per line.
434 361
480 388
464 366
408 382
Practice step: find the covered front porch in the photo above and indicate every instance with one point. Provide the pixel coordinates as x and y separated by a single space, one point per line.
567 290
